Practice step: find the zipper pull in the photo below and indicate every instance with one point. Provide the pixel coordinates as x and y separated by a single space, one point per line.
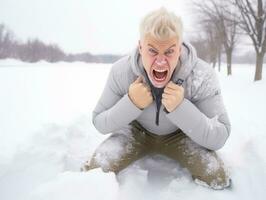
179 81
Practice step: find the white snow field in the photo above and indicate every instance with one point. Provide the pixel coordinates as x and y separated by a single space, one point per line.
46 134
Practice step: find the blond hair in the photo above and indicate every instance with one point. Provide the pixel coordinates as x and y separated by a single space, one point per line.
162 25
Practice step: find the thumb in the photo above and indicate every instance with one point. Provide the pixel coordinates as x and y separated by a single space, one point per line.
139 80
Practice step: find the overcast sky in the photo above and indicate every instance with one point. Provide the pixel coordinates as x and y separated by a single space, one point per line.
97 26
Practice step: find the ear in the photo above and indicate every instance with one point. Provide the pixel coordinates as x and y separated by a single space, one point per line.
140 47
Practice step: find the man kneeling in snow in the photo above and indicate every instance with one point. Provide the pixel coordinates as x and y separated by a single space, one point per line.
163 99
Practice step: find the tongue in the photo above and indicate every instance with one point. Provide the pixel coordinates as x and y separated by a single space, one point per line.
159 75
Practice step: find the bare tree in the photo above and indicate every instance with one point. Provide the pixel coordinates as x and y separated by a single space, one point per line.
200 45
6 42
216 13
213 42
207 44
253 22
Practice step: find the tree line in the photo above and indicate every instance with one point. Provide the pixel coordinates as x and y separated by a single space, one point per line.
34 50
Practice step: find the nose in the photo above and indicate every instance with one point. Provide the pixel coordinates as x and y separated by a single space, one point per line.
160 60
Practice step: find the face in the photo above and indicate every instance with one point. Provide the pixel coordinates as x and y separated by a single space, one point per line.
159 58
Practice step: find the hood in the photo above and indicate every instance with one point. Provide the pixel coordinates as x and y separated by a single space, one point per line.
184 66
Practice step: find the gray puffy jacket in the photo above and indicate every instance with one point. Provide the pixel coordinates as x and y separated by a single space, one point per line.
201 115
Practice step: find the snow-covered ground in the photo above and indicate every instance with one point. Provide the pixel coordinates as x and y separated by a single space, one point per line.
46 134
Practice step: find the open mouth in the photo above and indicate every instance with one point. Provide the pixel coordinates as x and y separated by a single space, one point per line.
159 75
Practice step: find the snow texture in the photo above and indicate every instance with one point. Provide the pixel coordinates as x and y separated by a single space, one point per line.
47 134
112 150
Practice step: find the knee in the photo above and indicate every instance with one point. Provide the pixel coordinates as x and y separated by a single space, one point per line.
104 163
217 180
89 165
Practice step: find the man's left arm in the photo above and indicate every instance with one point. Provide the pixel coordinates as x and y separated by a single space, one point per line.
206 120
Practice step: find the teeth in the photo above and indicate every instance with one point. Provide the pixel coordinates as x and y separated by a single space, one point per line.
160 70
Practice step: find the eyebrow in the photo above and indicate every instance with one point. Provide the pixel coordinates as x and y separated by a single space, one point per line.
158 50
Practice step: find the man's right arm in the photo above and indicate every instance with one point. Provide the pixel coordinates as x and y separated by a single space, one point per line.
114 109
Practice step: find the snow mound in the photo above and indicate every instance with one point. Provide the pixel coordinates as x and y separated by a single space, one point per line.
74 185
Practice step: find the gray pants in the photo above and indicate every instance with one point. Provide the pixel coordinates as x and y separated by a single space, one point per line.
120 150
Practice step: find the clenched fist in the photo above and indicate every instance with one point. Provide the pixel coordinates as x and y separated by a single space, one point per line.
140 93
173 95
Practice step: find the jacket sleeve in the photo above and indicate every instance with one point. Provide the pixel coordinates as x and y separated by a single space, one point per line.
114 109
205 120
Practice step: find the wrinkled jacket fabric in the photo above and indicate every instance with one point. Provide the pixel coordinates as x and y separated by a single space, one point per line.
201 115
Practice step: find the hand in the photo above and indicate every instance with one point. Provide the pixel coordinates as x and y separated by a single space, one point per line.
173 95
140 94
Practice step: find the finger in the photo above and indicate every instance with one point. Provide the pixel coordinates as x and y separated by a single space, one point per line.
167 96
177 90
165 102
139 80
151 98
144 88
173 85
164 95
150 95
147 87
170 91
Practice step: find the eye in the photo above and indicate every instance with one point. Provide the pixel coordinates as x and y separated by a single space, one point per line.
169 52
152 51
